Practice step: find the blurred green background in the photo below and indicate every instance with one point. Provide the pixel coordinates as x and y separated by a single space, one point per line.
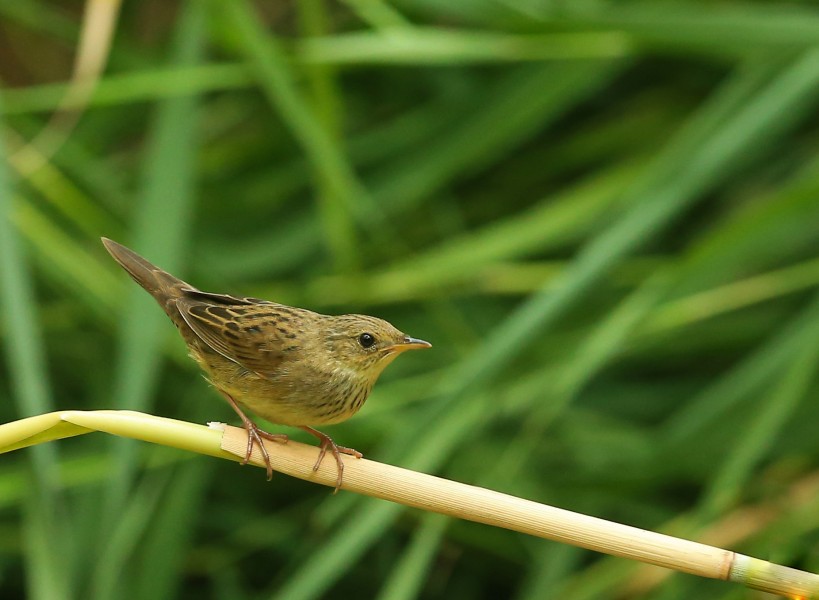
604 215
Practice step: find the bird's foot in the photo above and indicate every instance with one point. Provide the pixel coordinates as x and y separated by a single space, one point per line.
328 443
255 435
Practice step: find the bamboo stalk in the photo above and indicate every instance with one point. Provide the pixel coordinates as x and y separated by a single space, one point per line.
426 492
472 503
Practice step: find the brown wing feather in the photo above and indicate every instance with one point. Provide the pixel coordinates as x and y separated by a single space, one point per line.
235 333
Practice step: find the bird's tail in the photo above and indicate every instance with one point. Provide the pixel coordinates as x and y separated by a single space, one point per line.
163 286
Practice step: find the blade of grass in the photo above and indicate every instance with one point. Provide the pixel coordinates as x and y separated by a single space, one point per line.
766 424
58 190
45 529
377 14
606 340
113 575
31 14
595 350
709 406
736 295
170 533
347 196
162 224
94 175
426 45
67 262
554 221
521 104
552 566
511 111
123 88
655 202
407 578
325 101
612 335
718 29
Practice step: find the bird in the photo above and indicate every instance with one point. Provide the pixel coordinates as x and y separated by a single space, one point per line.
291 366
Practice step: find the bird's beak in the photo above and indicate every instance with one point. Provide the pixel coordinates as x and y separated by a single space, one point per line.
409 343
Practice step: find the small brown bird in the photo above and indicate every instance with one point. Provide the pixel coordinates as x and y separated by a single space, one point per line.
288 365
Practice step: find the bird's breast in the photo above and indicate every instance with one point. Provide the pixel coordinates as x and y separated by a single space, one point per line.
303 395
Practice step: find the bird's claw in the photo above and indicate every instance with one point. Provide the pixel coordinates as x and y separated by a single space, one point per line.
327 442
255 435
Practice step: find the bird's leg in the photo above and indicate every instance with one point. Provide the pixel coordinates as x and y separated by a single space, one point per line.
327 442
255 434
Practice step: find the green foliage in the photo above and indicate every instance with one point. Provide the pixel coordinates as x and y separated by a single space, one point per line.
603 215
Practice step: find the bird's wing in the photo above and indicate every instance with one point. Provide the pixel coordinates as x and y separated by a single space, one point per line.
237 328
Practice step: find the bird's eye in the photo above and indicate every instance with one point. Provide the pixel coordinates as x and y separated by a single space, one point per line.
366 340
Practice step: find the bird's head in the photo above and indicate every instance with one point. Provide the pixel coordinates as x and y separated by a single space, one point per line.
366 344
